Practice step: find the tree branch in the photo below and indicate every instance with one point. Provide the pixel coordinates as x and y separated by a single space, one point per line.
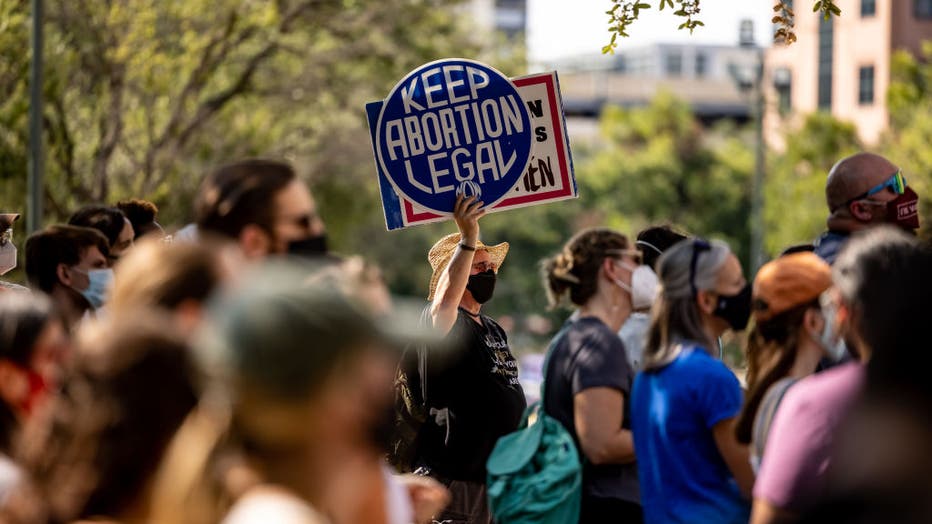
64 155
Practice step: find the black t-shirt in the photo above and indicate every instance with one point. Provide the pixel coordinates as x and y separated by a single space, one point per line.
590 355
475 377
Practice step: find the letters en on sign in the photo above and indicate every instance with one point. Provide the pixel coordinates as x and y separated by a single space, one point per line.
545 176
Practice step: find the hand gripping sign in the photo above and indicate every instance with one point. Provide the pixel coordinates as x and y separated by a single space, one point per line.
428 177
453 126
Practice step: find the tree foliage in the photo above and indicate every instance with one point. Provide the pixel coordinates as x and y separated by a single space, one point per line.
624 13
909 100
657 164
794 192
143 96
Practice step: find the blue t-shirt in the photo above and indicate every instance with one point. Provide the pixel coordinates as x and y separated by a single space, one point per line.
683 477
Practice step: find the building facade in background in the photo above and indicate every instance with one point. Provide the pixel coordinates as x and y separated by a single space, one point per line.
708 77
842 65
508 17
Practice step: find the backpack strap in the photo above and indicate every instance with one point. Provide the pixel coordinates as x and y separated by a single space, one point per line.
422 350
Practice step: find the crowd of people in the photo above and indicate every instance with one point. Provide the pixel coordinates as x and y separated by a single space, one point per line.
239 372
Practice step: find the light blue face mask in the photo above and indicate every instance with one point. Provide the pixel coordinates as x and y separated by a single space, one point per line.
833 344
100 282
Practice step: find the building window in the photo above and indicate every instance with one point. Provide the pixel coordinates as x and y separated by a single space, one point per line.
922 8
674 64
826 41
702 65
866 85
783 84
868 7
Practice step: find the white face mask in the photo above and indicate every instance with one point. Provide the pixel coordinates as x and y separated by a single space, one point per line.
7 254
832 344
643 288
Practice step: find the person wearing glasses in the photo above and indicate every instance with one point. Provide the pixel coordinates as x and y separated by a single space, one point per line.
588 377
685 403
262 206
470 390
865 190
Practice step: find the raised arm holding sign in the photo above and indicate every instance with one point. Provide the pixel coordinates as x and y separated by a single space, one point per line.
451 288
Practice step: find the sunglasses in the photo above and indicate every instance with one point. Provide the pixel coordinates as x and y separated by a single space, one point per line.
896 183
304 221
699 246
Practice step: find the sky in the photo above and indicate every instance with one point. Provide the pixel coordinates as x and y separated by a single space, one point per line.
561 28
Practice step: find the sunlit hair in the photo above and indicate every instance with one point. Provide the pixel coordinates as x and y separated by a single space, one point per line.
676 316
574 272
164 275
772 348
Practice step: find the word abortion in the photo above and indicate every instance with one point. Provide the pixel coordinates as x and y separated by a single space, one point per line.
453 115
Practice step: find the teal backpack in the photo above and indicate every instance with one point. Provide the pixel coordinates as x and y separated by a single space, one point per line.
534 473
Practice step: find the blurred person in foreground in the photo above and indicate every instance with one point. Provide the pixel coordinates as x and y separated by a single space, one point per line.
142 215
112 223
868 274
70 265
307 375
862 191
652 242
175 277
473 396
92 454
33 346
791 335
890 482
588 378
263 207
686 401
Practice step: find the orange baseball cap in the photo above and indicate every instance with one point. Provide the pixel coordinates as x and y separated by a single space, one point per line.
787 282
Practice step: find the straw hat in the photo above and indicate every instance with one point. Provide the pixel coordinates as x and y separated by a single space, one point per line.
439 256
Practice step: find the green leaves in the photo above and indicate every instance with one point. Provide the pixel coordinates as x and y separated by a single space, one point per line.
827 7
623 14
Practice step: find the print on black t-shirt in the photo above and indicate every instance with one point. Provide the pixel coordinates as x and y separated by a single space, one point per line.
475 377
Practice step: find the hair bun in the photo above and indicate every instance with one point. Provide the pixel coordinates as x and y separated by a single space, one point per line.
563 267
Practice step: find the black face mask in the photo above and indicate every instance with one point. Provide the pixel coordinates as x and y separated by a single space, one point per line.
313 246
735 309
482 285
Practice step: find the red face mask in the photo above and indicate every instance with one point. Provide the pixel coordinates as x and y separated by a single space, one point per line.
38 391
904 210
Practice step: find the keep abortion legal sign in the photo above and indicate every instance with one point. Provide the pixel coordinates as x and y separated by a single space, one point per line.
458 126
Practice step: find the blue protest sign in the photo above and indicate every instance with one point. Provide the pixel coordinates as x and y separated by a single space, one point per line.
453 126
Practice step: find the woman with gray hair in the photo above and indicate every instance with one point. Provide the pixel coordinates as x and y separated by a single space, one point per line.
685 402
